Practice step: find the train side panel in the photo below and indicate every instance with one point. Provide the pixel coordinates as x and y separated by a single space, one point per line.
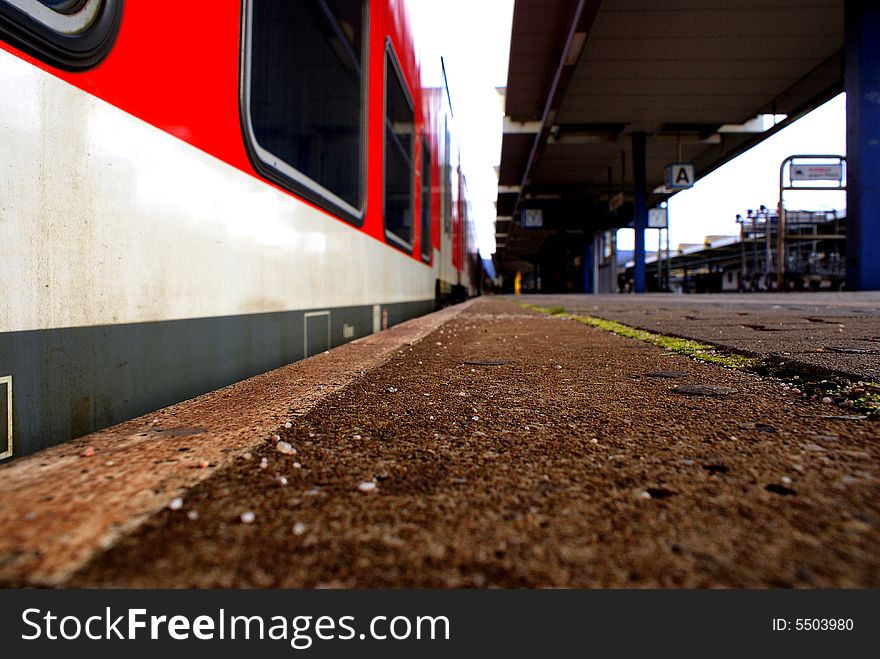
147 261
146 271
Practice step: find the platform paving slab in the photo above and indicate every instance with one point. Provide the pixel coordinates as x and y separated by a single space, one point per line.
837 332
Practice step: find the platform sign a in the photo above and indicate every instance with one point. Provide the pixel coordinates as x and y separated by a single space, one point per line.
680 176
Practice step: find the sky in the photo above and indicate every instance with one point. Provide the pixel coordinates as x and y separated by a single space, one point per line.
476 58
473 37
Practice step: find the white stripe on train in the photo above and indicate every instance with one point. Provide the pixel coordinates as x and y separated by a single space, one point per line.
106 219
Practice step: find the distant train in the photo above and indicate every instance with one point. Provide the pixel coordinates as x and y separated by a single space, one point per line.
192 193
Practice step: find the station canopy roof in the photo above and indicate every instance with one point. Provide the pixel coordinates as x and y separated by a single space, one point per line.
696 76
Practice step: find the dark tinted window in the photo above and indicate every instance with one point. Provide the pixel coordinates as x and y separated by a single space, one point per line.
399 142
447 179
426 201
306 94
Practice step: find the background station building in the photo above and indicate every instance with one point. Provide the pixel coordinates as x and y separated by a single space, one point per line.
612 107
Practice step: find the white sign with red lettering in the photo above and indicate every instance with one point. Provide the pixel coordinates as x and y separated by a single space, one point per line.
817 172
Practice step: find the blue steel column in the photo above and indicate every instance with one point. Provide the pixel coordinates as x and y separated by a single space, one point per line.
863 145
589 261
639 141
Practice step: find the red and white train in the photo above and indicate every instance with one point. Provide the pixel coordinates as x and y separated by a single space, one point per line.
192 193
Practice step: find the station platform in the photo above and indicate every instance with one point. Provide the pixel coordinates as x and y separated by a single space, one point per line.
487 445
838 332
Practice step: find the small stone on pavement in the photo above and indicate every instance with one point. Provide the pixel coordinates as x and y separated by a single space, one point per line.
702 390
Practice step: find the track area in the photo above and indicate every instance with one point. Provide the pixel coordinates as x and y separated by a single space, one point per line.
566 465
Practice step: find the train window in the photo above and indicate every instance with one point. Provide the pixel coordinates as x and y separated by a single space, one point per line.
70 34
399 147
426 201
304 98
447 179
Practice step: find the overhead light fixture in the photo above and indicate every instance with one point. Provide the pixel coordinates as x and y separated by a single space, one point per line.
512 127
759 124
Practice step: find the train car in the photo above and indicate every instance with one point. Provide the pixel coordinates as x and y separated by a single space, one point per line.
194 193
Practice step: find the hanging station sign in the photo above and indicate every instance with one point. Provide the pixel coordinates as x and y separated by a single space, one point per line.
532 218
658 218
680 176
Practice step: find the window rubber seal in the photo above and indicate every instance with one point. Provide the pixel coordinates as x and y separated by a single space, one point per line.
390 237
73 52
